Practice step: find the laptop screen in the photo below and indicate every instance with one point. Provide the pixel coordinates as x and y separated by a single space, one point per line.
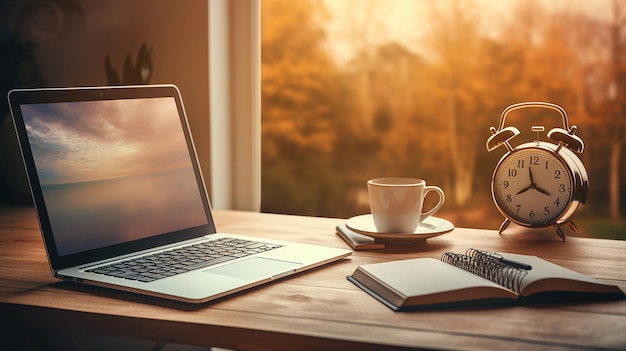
113 171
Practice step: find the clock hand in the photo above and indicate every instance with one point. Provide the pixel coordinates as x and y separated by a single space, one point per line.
532 184
543 191
524 190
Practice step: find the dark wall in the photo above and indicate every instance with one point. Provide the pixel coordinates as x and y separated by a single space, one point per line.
45 43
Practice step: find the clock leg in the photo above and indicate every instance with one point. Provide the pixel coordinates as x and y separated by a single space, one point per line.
573 226
504 225
559 231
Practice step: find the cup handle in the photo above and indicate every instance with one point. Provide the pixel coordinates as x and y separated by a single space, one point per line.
442 198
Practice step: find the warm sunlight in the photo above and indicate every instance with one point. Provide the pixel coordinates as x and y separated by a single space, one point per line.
355 89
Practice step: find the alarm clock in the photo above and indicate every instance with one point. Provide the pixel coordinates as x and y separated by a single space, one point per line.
538 184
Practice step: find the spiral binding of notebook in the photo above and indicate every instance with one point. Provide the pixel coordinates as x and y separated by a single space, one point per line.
487 265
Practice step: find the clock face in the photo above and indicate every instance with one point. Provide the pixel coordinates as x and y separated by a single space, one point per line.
532 187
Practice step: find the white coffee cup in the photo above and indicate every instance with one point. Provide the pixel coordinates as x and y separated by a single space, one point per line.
396 203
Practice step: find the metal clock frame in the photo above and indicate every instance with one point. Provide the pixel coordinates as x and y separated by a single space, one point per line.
562 137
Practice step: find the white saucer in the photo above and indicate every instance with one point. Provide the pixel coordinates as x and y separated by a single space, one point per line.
430 227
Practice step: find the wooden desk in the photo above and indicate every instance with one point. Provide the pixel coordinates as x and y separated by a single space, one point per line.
319 309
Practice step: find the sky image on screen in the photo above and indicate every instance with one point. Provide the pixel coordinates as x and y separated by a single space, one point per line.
113 171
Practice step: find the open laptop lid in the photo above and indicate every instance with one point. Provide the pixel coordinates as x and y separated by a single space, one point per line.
112 170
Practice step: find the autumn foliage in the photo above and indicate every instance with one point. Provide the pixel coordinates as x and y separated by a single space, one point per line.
424 110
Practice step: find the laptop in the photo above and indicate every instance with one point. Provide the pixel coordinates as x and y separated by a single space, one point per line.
121 202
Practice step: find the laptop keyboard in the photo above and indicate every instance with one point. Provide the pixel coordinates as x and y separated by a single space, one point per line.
176 261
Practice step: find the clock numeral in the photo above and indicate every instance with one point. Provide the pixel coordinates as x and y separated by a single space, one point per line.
518 208
512 172
561 188
557 174
531 214
546 211
557 202
508 198
506 184
534 160
520 163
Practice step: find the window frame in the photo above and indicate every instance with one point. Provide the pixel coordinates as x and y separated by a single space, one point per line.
235 104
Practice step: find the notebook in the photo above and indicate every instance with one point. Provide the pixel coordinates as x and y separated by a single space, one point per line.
120 197
477 278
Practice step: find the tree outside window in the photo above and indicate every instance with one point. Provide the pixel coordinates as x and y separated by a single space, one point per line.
357 89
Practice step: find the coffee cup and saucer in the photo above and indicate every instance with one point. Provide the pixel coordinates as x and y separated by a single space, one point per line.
397 215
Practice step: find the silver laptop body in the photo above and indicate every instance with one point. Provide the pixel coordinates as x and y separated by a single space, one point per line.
116 183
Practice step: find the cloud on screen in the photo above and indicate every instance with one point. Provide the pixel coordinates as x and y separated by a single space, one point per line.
86 141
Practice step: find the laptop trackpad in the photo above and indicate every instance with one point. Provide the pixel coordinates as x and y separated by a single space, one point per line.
255 268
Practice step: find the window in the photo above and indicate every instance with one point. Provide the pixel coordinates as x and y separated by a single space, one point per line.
356 89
